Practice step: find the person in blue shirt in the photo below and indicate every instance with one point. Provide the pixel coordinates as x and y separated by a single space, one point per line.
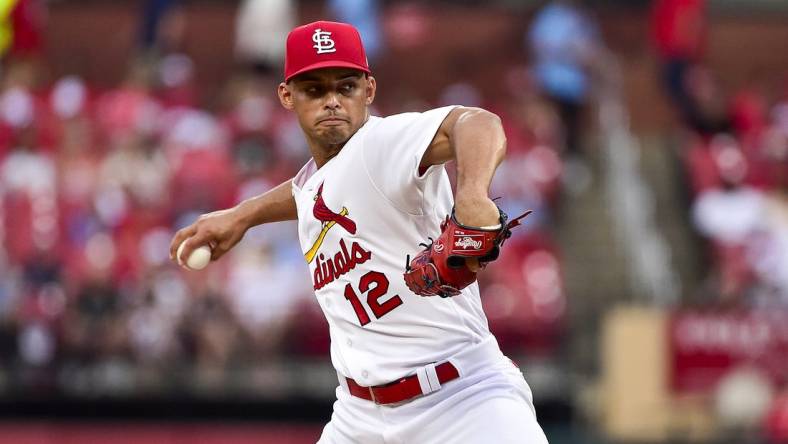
565 45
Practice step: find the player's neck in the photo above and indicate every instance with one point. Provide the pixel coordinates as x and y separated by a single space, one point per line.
323 153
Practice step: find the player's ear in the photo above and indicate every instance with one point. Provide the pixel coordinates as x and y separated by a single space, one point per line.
285 96
371 88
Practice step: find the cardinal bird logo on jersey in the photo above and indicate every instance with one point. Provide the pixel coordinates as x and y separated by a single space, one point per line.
328 219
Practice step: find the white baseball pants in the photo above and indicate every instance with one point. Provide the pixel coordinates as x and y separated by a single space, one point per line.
489 403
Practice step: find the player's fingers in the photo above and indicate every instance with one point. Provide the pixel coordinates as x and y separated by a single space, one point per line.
179 237
473 264
194 242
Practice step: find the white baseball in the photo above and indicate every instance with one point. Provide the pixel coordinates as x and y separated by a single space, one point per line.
199 258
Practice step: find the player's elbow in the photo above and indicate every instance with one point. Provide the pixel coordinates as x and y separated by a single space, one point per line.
500 135
479 115
486 121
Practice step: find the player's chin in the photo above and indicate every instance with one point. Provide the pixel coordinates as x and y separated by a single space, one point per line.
334 135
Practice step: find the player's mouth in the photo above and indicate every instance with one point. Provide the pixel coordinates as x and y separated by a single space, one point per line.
332 121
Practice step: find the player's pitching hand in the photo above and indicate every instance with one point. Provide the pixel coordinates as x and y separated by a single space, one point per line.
220 230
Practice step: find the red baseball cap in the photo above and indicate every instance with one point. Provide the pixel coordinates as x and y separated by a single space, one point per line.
324 45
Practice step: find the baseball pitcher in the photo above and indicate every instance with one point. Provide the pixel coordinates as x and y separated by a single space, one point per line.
392 255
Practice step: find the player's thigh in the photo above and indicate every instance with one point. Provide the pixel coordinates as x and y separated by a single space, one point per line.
499 419
353 421
503 419
497 409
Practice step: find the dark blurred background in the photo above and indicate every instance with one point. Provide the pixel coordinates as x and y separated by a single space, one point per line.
646 300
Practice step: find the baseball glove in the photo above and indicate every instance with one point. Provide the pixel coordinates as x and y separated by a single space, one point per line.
440 269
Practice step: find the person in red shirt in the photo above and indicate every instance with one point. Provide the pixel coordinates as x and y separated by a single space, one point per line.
678 34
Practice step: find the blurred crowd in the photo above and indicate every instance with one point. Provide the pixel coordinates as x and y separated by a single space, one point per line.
738 184
734 154
735 157
94 184
95 181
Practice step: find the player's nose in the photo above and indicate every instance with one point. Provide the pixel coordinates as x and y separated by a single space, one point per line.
332 101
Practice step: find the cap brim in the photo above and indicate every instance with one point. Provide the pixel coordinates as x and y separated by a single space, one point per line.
328 64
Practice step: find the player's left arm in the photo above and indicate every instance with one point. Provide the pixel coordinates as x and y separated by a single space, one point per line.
474 139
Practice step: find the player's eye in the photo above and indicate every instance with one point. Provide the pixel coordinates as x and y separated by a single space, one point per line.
313 91
347 88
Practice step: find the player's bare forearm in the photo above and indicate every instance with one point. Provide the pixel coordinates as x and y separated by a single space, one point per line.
479 147
474 138
275 205
223 229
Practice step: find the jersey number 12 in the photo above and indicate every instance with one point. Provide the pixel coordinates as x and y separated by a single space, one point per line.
375 284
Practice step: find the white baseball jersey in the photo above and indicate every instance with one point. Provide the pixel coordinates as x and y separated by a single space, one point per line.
358 217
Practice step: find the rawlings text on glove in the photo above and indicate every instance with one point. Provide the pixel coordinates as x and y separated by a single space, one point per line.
441 270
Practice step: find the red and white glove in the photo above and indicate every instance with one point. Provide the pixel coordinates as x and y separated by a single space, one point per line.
441 269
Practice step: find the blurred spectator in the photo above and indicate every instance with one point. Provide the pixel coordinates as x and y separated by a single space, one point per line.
28 182
678 32
20 109
175 81
749 115
707 110
163 26
365 16
197 150
768 149
129 110
567 51
265 289
260 33
407 25
730 217
170 72
137 167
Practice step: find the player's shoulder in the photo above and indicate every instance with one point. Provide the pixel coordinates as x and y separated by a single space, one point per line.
403 120
409 115
396 119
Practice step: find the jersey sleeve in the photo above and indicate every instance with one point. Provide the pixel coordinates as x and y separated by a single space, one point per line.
393 152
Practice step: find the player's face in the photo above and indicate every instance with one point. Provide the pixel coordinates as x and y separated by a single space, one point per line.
331 103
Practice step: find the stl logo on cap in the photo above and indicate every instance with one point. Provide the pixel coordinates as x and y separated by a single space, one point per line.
323 42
